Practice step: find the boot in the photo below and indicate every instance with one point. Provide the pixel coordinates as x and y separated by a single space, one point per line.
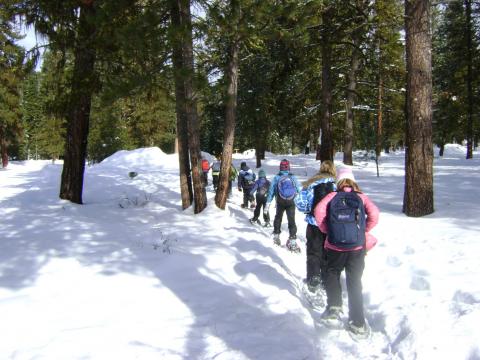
276 239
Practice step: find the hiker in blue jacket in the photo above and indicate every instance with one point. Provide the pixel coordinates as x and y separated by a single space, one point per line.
285 187
261 187
246 180
314 190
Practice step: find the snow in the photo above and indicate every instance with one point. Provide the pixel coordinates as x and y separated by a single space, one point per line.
129 275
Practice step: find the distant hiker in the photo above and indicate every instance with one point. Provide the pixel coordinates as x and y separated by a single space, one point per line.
346 217
261 187
205 170
314 190
232 176
284 187
246 180
216 165
307 148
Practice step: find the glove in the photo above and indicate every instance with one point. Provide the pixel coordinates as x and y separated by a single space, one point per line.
265 208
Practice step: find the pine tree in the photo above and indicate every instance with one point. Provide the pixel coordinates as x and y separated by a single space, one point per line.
418 196
12 72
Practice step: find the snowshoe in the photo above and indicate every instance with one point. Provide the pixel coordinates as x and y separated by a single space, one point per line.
358 332
332 319
292 245
252 206
276 239
243 206
267 224
255 221
316 298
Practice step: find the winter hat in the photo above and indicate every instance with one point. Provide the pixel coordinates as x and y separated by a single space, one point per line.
345 172
243 165
284 165
261 174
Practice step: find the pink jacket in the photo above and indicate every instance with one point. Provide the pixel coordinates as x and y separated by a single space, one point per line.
371 211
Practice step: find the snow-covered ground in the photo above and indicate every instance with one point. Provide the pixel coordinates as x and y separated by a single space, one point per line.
129 275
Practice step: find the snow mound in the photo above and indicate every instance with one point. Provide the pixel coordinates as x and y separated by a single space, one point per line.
455 150
143 158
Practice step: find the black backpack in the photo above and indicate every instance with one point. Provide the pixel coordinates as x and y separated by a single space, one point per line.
319 192
346 220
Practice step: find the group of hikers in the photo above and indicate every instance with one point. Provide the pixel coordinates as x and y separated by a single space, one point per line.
339 218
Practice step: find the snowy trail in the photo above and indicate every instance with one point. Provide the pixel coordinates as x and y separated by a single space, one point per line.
131 275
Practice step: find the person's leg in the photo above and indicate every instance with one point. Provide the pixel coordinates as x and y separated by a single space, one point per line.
335 265
292 227
256 212
245 198
354 270
277 222
314 251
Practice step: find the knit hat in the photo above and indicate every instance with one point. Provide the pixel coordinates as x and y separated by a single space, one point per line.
261 174
345 172
243 165
284 165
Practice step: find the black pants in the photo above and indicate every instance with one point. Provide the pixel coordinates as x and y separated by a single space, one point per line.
289 207
353 262
205 178
215 181
247 197
261 202
316 260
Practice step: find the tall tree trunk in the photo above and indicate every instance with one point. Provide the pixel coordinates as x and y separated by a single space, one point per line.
379 128
3 147
230 111
78 115
348 136
418 195
186 188
199 192
326 147
468 34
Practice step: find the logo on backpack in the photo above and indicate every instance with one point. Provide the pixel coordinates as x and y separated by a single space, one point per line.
346 220
286 187
319 192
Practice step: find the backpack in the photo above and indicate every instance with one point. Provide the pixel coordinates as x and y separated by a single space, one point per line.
249 178
286 188
319 192
205 165
346 220
216 166
262 190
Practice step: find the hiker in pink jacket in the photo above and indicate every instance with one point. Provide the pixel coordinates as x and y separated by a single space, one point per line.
346 216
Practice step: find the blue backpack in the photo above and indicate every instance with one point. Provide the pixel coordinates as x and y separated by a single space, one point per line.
346 220
286 188
249 178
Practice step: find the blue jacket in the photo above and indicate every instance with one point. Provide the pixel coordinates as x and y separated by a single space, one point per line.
304 200
274 187
242 182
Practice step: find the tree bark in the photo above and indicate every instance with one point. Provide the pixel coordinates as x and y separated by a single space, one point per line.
468 34
78 115
3 147
186 188
199 192
379 127
418 195
230 112
325 152
348 137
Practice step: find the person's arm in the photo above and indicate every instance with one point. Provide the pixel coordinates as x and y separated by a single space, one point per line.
372 212
271 191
